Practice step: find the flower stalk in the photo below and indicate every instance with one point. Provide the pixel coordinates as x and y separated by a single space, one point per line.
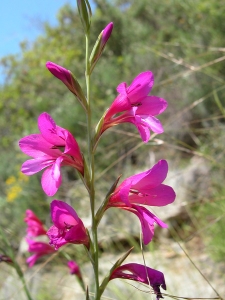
55 147
91 162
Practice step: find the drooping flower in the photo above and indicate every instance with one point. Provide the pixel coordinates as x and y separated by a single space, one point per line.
45 148
34 225
145 188
74 268
142 274
39 249
67 228
67 77
135 106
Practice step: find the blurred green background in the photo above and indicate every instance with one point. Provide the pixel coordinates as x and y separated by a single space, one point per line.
182 43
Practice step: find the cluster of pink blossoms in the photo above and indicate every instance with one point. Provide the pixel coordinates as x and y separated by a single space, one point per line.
55 147
35 228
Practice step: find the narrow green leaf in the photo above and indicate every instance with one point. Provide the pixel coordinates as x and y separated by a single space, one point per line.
219 104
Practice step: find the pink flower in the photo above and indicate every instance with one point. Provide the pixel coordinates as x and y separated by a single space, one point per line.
141 274
67 228
136 107
74 268
34 225
45 148
39 249
145 188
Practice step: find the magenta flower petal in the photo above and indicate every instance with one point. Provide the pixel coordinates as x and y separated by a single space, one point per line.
140 87
59 72
142 274
35 146
133 105
122 88
145 188
39 249
152 104
56 238
158 196
62 213
120 104
77 234
31 260
147 220
106 33
68 227
32 166
50 131
51 180
72 148
74 268
143 130
151 178
152 123
34 225
46 149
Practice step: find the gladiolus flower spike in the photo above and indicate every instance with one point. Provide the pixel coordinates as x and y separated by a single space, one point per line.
45 148
136 107
67 228
142 274
145 188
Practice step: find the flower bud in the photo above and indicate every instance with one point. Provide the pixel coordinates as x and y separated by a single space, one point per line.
74 268
100 45
5 258
67 77
85 13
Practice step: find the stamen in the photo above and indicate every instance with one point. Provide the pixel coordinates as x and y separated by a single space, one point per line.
68 226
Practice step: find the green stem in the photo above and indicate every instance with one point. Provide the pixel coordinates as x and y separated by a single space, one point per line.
21 276
91 163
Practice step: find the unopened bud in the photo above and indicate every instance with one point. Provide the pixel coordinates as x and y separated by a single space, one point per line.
5 258
67 77
100 45
85 13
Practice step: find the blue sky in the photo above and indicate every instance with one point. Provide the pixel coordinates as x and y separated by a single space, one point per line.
20 20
